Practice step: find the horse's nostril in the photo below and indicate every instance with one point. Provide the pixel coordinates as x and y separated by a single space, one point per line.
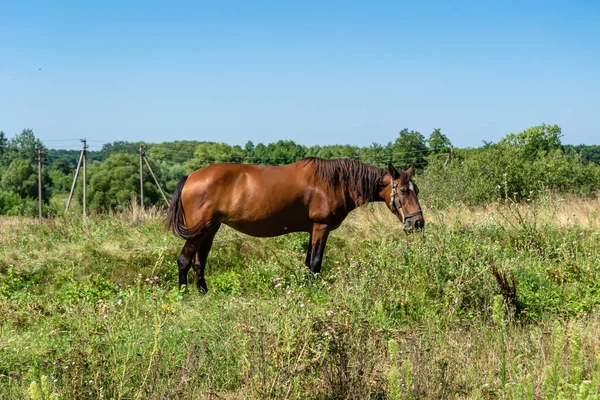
419 224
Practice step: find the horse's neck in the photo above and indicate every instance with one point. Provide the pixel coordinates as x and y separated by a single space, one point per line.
357 201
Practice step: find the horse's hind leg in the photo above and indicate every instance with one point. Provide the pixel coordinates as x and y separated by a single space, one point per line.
184 261
201 257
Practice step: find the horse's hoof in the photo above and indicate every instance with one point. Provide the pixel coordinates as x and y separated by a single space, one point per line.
202 288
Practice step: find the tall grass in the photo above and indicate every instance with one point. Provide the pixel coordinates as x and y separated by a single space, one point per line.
90 309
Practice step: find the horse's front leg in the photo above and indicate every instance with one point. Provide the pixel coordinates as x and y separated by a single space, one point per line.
195 267
318 240
308 251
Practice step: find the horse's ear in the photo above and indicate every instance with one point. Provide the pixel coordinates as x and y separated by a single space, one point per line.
393 171
411 170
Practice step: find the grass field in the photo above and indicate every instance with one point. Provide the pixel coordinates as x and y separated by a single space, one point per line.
489 303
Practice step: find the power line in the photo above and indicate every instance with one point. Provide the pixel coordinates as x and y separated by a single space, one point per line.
72 140
59 140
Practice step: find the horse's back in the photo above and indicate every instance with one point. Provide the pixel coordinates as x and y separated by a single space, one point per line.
254 199
254 179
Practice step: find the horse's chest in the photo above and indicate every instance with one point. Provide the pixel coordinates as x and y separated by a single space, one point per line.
337 218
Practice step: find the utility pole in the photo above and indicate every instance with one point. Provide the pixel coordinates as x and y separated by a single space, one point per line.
74 181
141 177
39 159
84 155
156 180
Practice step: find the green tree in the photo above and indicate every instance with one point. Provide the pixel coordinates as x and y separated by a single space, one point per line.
439 147
410 148
285 152
438 142
72 156
535 139
61 183
24 146
120 147
586 153
208 153
278 153
261 155
61 175
335 151
63 165
169 160
19 169
375 154
249 151
20 177
179 151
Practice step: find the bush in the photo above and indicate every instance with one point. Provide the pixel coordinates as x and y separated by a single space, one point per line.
480 176
12 204
27 207
8 200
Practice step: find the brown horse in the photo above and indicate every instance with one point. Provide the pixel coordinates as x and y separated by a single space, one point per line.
312 195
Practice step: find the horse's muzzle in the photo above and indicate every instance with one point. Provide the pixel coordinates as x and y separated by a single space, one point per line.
414 225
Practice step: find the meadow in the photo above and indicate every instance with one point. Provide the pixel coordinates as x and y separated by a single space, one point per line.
496 302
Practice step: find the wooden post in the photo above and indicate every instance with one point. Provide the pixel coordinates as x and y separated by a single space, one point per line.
74 181
449 157
141 178
84 178
156 181
39 159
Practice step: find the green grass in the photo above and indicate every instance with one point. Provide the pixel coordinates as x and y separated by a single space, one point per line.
86 314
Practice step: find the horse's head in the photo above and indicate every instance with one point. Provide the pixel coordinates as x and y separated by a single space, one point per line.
402 198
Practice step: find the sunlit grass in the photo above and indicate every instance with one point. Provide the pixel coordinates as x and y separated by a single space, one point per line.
91 308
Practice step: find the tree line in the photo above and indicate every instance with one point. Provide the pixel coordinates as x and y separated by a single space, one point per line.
521 165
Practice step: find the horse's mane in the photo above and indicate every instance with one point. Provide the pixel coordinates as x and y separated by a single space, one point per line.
358 179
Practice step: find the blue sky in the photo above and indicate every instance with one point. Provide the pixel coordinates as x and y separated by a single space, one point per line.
316 72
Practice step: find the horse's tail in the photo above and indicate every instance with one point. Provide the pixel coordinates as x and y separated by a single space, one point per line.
176 216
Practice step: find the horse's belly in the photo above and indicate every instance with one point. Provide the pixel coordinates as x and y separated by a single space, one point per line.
268 228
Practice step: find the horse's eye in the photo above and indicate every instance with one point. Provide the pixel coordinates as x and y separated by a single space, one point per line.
404 191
